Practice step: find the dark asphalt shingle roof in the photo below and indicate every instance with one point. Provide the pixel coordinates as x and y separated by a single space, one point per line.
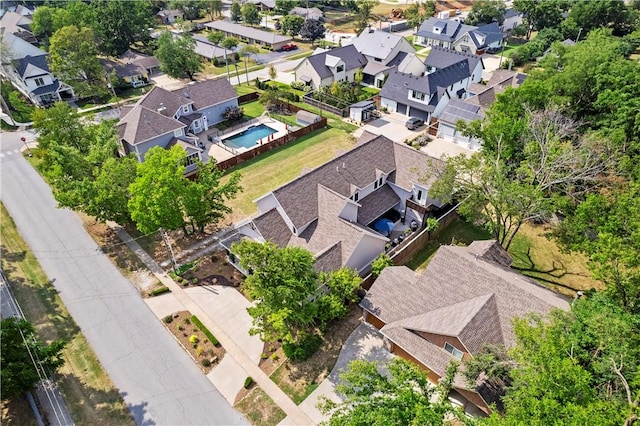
451 30
376 204
486 35
273 228
49 88
206 93
349 55
439 58
39 61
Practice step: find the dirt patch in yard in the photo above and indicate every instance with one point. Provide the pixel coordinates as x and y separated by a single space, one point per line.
212 269
299 378
203 350
258 407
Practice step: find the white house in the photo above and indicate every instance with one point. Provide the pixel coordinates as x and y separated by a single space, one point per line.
322 69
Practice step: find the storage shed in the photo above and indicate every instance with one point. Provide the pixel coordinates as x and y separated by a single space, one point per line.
304 118
361 111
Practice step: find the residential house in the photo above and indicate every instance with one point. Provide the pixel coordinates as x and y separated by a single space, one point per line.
26 67
480 97
466 297
169 16
19 25
264 5
308 13
454 35
440 58
164 118
426 96
134 68
250 35
208 50
332 210
512 18
385 51
322 69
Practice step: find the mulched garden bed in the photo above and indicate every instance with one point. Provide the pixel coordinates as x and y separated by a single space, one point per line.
206 353
211 269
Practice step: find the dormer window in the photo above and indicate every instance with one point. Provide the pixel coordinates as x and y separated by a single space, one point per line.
185 109
418 95
378 59
340 68
356 196
457 353
39 81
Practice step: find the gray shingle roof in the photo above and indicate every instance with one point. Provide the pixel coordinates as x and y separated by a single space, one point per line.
486 35
377 44
439 58
273 228
349 54
29 62
399 84
49 88
248 32
206 93
376 204
330 259
159 96
451 30
141 124
460 293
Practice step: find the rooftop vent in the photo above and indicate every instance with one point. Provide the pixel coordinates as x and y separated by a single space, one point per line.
162 109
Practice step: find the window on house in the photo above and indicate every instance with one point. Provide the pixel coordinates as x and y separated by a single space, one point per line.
419 194
185 109
39 81
355 196
380 180
378 59
465 39
375 185
417 95
191 159
453 350
340 68
177 132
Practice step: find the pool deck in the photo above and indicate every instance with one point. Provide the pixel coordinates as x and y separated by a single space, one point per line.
217 152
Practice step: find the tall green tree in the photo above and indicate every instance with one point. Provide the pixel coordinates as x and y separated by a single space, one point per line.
418 12
157 191
118 24
291 24
250 14
215 8
400 396
73 57
246 53
236 11
282 280
190 8
109 192
588 15
580 366
363 15
229 43
177 57
539 14
312 30
18 350
486 12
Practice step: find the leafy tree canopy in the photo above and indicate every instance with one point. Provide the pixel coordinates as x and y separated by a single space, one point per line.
236 11
176 55
250 14
486 12
418 12
312 30
291 24
17 345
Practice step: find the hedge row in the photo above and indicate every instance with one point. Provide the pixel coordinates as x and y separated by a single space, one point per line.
205 330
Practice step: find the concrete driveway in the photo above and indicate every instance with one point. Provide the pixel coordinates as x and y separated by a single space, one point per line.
365 343
168 83
442 148
391 125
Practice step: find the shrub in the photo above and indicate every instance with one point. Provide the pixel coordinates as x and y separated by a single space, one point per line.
181 328
205 362
193 338
168 319
248 382
236 56
199 351
233 113
263 355
205 330
274 357
303 350
194 281
186 321
382 261
160 290
298 85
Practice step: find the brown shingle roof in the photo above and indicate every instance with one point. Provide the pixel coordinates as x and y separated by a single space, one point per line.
376 204
273 228
459 293
170 100
206 93
354 169
330 259
141 124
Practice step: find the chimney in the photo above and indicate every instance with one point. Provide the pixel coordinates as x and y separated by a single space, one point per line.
162 109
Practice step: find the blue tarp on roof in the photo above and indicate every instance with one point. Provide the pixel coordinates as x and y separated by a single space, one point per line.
383 226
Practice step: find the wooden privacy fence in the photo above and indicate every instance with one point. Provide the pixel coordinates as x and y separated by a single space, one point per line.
342 112
248 97
268 146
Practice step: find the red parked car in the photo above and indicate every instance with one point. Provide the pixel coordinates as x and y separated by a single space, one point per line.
288 47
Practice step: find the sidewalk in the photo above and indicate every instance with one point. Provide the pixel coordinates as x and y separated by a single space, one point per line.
233 346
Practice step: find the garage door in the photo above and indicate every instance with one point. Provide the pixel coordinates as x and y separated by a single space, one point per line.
401 109
415 112
446 131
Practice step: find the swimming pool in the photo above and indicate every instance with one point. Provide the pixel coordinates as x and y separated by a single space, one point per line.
248 138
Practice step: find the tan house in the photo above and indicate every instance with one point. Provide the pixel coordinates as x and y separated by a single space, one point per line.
466 297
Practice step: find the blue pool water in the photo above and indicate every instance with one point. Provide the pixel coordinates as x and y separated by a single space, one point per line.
249 137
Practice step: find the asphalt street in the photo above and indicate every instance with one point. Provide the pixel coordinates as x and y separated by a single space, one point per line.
157 379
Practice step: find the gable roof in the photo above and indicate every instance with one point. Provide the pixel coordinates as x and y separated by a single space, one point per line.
19 48
122 70
248 32
158 97
273 228
439 58
449 30
377 44
486 35
141 124
461 293
206 48
13 22
207 93
399 84
348 54
345 174
32 66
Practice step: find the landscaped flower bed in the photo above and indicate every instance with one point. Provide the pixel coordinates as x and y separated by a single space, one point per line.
214 269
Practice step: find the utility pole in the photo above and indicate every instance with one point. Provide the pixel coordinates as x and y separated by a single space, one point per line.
165 238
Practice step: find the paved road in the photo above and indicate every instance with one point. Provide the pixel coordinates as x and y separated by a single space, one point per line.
158 381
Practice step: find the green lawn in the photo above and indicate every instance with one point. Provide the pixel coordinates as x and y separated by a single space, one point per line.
87 390
457 232
269 171
252 109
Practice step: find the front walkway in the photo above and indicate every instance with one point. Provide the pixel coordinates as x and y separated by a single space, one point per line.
238 345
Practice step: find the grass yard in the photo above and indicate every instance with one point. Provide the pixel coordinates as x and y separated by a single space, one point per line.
534 254
260 409
87 390
385 8
457 232
252 109
267 172
537 255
